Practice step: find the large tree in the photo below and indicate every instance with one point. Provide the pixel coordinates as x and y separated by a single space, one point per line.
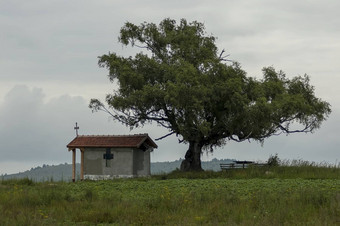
182 82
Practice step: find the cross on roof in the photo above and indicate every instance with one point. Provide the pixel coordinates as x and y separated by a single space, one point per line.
76 128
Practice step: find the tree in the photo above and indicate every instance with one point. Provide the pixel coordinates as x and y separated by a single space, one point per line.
186 85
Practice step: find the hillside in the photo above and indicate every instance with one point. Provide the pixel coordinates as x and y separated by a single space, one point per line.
63 172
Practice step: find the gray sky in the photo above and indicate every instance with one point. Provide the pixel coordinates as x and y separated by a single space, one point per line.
49 71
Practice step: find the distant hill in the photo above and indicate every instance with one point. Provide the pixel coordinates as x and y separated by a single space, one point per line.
63 172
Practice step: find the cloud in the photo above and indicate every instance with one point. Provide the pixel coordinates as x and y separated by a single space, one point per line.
34 130
37 131
54 46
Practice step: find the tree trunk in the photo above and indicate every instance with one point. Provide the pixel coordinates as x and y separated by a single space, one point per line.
192 161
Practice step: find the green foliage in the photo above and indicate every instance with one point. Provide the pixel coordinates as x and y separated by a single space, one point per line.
186 86
210 201
274 160
23 181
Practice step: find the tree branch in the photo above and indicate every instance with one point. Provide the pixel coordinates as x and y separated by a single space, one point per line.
223 58
160 138
142 47
306 129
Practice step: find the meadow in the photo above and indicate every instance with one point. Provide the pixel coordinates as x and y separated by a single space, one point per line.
282 195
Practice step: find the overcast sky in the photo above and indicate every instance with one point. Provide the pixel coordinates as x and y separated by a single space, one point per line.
49 71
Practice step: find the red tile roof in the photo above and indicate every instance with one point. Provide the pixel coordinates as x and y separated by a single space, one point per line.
113 141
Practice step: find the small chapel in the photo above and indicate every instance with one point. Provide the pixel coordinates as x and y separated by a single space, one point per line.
112 156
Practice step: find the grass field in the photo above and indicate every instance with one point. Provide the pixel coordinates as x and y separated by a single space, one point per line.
291 195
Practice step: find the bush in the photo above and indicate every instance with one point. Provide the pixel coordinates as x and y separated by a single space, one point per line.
23 181
274 160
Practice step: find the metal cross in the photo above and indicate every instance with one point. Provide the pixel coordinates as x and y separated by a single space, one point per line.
76 128
108 156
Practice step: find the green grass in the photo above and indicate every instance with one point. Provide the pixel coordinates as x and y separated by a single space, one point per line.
289 195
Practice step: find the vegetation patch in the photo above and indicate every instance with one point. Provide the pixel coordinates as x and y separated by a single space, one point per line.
209 198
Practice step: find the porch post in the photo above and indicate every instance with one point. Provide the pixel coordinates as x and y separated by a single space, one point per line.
82 164
73 165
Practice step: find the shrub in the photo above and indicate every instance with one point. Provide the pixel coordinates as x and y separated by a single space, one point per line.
274 160
23 181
